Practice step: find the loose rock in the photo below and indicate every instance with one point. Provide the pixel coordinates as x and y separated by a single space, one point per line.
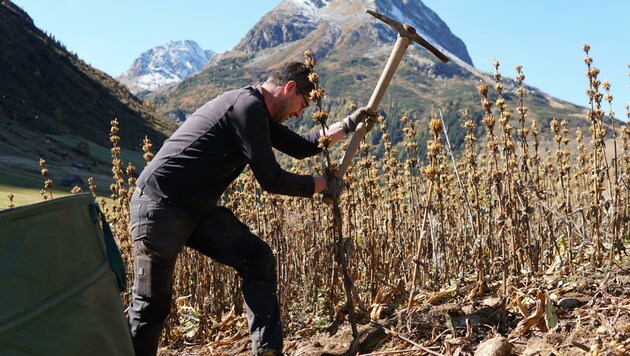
498 346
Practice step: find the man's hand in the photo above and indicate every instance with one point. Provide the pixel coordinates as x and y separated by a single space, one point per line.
334 189
320 183
351 122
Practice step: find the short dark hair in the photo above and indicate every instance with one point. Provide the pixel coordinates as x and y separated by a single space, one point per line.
296 71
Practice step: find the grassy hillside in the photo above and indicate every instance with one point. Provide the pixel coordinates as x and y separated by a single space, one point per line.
56 107
73 159
51 90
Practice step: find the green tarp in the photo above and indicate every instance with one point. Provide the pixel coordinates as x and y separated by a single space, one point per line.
59 272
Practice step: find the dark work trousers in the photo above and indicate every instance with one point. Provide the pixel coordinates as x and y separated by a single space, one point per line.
160 231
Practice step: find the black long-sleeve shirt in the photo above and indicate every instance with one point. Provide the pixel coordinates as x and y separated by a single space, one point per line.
213 146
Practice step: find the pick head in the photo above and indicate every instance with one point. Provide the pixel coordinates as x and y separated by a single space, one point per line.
409 32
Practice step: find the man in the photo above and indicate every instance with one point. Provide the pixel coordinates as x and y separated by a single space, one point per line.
175 202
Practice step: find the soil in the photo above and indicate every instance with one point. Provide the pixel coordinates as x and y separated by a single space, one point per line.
586 313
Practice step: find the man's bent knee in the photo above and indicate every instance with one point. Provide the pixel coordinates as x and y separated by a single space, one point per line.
261 265
153 274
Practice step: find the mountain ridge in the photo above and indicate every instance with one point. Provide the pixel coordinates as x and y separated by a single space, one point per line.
351 48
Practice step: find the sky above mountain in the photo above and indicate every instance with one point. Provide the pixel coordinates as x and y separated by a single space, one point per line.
545 37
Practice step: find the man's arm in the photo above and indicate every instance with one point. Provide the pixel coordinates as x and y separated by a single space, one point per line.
249 126
335 132
295 145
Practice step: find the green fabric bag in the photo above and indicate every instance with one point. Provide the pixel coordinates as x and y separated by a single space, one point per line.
59 273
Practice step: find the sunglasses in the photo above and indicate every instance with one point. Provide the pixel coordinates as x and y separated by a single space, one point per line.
306 103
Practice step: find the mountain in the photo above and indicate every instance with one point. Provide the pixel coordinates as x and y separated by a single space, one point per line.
163 65
297 19
352 48
55 106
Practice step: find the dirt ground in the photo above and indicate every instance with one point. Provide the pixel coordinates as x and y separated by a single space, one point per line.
586 313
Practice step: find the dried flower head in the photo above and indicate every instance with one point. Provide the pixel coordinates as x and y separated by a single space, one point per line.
500 102
535 129
309 60
434 148
488 121
321 116
486 104
588 60
130 170
493 145
47 182
435 126
148 156
146 148
482 88
313 77
92 186
555 127
317 94
114 127
430 172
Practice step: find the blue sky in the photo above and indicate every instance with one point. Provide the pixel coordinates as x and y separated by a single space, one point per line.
544 36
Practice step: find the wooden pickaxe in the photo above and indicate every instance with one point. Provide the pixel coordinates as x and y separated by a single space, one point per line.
406 34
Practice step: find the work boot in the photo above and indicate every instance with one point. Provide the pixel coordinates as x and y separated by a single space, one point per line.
269 352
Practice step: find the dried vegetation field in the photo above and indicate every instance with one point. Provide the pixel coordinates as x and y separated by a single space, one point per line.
504 244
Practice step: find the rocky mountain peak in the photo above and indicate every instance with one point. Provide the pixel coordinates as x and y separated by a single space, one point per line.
341 20
165 64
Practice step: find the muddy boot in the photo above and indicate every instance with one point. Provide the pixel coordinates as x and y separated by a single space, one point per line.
270 352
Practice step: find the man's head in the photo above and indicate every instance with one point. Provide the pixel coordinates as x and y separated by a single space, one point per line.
290 87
